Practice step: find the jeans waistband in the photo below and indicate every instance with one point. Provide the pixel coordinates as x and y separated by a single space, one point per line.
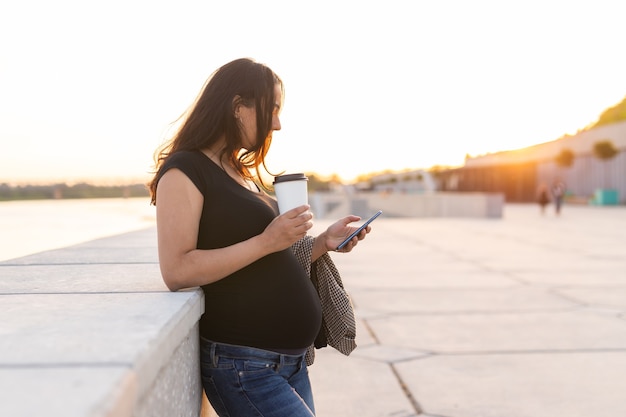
217 349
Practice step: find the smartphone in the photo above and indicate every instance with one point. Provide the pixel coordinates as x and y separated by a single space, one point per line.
357 231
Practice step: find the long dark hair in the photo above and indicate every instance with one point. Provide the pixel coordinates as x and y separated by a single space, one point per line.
212 117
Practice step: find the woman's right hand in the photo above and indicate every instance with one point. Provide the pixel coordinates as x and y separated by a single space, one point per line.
288 228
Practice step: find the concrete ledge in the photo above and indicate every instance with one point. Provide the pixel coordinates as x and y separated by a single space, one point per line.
91 330
436 204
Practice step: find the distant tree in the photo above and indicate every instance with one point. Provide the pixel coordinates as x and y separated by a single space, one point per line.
335 179
565 158
61 190
613 114
317 183
604 150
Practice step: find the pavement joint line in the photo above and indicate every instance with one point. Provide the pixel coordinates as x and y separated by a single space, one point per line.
405 389
407 392
511 275
371 332
80 293
555 292
358 290
385 315
427 354
418 354
8 263
64 365
528 352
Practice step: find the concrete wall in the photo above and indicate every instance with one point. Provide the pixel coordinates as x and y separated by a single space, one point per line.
91 330
438 204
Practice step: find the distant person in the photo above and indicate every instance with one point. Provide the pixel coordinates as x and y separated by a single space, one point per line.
543 197
219 229
558 193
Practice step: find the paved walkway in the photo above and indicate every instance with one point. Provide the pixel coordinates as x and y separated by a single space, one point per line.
523 316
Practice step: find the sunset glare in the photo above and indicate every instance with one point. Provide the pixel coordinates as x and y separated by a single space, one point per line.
88 90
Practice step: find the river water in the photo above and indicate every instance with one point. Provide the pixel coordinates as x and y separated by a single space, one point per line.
28 227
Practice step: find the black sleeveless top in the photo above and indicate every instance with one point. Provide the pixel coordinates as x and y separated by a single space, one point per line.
271 303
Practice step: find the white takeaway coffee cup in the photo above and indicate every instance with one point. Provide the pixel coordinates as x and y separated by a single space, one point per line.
291 191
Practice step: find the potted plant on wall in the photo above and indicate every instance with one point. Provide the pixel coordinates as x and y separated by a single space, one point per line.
605 150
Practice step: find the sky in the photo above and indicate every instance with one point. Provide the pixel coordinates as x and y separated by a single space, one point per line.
89 90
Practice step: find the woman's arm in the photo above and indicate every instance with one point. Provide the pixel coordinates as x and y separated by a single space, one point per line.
179 207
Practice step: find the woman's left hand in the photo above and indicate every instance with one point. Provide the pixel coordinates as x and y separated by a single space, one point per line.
340 230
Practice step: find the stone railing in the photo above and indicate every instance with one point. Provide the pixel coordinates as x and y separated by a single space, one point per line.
430 204
91 330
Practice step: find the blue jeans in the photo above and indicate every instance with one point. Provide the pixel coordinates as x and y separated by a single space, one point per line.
242 381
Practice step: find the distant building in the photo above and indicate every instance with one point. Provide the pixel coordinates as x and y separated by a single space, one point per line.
518 173
415 181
